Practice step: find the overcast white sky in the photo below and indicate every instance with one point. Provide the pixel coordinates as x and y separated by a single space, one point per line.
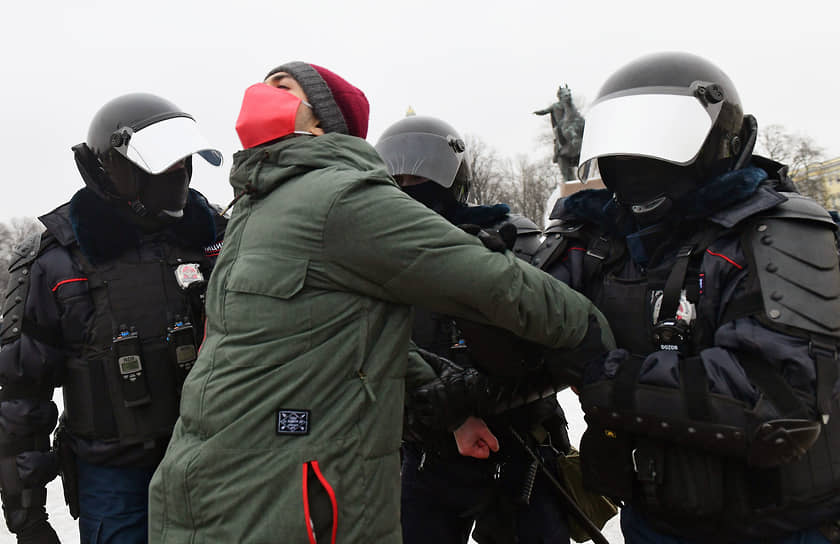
482 65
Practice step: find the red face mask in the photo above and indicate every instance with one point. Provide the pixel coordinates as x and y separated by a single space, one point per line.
267 113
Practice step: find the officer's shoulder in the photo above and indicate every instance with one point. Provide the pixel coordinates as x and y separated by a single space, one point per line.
793 249
799 207
564 227
523 224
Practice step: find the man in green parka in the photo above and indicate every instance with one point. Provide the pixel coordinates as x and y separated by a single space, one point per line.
291 417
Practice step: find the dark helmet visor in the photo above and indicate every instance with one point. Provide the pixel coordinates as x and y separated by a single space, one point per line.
422 154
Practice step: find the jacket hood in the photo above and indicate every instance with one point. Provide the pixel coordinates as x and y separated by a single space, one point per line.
297 155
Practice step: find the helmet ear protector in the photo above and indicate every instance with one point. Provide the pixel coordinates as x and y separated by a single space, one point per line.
745 143
93 174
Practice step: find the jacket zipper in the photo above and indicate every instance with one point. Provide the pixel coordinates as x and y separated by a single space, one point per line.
366 385
328 488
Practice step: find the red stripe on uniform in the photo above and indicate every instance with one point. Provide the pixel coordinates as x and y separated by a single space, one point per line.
725 258
71 280
573 249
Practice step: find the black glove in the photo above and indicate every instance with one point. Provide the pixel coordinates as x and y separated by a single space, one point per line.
447 401
494 240
41 533
566 366
31 526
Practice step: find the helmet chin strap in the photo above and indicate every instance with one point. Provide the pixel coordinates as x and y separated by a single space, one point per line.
750 133
652 211
140 209
171 214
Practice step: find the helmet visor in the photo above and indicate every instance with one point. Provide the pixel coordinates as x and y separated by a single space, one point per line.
668 127
421 154
158 146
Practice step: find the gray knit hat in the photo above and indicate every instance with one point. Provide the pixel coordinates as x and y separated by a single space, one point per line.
338 105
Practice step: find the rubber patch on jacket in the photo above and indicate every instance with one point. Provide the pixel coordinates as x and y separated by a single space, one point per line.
293 422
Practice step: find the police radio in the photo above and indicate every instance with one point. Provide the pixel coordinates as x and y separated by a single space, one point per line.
126 346
181 340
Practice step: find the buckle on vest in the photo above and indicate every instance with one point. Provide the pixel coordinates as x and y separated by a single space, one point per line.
816 348
646 461
598 249
685 251
826 358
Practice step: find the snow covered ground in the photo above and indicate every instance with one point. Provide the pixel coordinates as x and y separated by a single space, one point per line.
68 531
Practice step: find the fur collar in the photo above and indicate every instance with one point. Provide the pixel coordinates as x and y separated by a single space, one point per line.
483 216
598 206
104 233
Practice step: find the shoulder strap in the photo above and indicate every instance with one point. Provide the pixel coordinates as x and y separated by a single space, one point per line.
675 283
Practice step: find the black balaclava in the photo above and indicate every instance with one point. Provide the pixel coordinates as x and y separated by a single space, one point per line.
647 187
154 201
165 193
435 197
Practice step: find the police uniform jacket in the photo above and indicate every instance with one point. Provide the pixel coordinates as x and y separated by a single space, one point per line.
674 411
58 327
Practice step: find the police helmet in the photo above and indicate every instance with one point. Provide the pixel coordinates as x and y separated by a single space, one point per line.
134 137
430 148
674 117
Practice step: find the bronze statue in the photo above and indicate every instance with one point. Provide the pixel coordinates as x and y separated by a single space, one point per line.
567 124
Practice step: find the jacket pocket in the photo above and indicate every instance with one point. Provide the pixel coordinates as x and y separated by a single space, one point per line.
269 275
268 307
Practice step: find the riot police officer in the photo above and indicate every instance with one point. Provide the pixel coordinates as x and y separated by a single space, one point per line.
716 419
443 493
107 303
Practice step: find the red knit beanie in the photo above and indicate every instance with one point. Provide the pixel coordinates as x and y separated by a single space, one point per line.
338 105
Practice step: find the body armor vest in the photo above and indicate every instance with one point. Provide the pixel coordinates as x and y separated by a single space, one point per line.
681 487
142 340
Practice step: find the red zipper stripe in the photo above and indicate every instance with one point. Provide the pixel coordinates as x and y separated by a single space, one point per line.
333 500
71 280
308 518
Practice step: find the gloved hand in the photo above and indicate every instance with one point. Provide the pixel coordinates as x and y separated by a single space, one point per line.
41 533
31 526
566 365
494 240
456 393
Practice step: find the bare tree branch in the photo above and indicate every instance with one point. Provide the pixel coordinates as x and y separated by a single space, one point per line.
801 155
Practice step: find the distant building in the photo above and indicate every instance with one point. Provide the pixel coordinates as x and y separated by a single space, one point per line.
829 172
571 187
566 188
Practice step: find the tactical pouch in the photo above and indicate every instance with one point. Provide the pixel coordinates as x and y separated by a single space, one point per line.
597 508
68 470
606 462
677 480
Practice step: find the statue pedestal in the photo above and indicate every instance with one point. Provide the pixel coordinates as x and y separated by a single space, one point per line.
566 188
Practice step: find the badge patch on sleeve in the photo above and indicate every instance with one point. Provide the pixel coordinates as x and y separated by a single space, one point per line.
213 249
188 273
293 422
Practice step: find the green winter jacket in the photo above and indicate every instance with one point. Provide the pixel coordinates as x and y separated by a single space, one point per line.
291 417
